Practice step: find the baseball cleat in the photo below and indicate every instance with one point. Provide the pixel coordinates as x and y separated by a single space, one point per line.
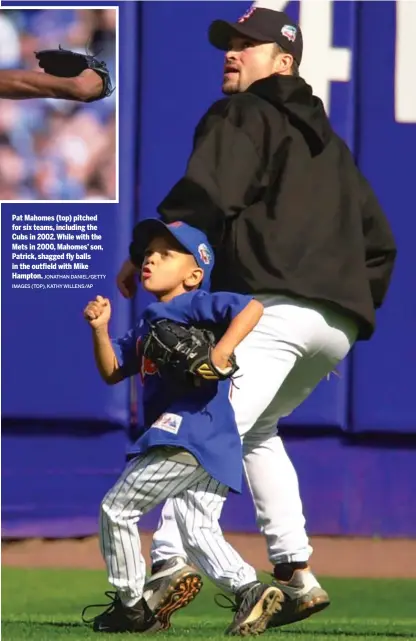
172 587
303 597
254 606
119 618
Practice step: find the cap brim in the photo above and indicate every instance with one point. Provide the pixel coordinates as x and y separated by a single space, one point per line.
220 33
143 234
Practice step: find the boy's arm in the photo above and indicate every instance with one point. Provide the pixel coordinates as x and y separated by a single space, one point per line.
98 314
105 357
238 329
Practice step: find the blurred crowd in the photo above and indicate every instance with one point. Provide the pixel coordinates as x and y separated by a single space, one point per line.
57 149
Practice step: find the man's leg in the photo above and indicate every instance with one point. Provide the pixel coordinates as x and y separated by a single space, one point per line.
280 514
167 540
283 524
279 508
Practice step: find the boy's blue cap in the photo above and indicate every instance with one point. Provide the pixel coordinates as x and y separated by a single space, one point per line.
192 239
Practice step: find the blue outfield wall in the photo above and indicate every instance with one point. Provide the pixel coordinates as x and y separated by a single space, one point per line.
353 442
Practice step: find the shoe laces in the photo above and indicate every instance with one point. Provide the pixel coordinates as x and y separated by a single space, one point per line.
114 600
241 602
230 604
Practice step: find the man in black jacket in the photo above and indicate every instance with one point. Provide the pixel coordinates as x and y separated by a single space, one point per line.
295 223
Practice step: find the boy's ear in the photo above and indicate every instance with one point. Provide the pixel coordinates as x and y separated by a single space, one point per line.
195 278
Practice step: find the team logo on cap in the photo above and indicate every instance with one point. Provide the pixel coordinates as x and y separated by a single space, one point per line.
177 223
289 32
247 14
204 254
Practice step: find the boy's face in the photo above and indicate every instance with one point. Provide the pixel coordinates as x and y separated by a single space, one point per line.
168 270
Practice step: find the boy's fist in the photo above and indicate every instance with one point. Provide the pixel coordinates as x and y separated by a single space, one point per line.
98 312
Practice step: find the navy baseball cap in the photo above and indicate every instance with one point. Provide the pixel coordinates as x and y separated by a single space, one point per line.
263 25
192 239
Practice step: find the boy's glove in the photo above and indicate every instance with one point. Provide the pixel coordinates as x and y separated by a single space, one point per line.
68 64
184 352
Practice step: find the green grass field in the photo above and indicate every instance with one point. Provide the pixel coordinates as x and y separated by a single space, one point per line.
45 605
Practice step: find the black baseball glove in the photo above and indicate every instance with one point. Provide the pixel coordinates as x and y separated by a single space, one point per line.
68 64
184 352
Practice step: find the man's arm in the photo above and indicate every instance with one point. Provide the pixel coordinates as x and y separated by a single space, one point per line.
19 84
224 173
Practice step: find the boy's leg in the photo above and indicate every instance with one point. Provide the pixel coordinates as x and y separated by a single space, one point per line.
147 481
173 583
197 512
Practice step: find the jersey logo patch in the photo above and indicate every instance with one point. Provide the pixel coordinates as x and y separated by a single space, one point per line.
168 422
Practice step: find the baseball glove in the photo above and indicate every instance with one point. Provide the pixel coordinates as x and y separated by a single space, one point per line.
68 64
184 352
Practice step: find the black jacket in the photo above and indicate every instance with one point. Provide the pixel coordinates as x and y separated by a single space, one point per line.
281 199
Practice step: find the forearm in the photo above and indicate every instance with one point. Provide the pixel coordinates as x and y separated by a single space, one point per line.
105 358
240 327
20 84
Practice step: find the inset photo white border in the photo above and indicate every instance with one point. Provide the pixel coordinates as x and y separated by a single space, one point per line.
115 84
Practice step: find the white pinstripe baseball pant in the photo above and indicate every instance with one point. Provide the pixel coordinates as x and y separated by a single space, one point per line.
197 501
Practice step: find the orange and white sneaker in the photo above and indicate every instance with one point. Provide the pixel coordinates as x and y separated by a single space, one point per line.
303 597
172 587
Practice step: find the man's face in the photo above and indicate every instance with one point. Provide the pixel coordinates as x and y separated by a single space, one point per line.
247 61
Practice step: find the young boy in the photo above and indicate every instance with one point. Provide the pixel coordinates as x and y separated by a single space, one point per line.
190 448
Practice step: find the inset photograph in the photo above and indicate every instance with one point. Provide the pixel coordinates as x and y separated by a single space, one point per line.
58 104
